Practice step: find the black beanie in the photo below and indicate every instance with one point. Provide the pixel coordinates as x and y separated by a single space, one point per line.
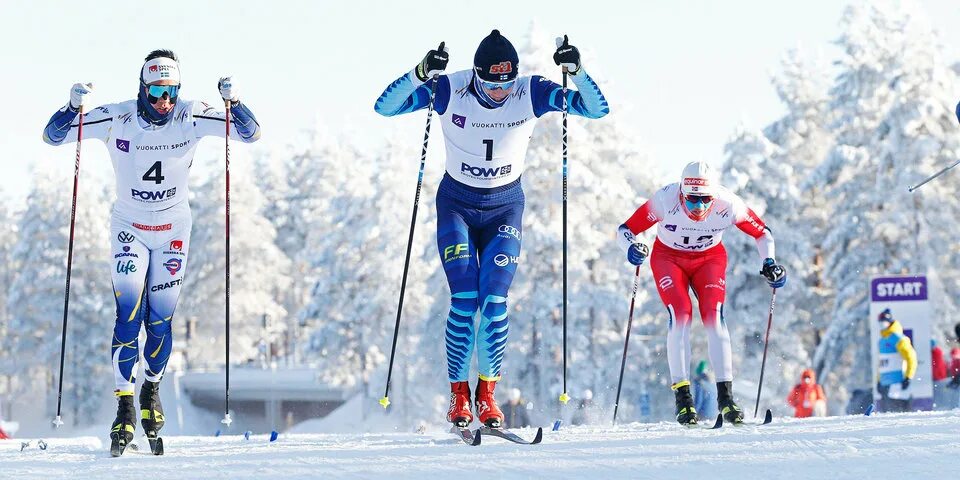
496 60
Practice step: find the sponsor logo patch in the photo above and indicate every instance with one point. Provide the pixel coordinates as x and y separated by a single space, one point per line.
153 228
164 286
510 230
124 237
123 145
459 121
457 251
126 268
173 265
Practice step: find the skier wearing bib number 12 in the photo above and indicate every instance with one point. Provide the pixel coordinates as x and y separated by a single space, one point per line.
688 255
151 141
487 114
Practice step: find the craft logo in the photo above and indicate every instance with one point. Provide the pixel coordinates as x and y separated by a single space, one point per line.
501 68
455 252
459 120
126 268
164 286
123 145
665 283
124 237
176 245
510 230
173 265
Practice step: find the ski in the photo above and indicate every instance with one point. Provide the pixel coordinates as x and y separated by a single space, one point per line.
156 444
468 437
117 444
767 420
508 435
716 425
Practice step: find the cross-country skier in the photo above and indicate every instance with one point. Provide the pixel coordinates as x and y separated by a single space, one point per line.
898 364
688 254
151 141
487 114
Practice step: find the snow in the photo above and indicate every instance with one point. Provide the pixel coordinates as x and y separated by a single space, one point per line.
914 445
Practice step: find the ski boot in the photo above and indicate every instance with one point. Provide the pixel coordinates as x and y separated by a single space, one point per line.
488 412
151 415
686 413
728 408
459 412
121 433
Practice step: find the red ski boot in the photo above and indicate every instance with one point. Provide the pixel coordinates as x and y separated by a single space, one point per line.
487 409
459 412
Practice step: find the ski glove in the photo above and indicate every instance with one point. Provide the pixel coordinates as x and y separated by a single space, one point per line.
637 253
80 95
434 63
775 274
905 384
567 56
227 89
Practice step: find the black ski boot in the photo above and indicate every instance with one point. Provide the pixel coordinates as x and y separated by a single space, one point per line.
686 414
121 433
151 415
728 408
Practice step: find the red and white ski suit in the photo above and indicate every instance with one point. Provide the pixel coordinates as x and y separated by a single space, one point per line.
688 255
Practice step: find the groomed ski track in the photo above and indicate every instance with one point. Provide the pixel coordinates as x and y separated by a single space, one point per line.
916 445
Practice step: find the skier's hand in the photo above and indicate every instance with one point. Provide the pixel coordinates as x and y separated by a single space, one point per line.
775 274
637 253
955 383
905 384
434 63
80 95
228 91
567 56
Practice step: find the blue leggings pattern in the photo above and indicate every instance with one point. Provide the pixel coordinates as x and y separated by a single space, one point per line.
478 237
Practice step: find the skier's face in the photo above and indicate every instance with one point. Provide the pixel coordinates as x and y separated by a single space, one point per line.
697 205
165 101
498 91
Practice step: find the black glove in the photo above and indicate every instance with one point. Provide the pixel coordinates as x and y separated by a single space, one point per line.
434 63
775 274
905 383
955 383
567 56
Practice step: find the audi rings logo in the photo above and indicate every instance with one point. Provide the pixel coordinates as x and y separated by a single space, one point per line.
501 260
510 230
125 237
665 283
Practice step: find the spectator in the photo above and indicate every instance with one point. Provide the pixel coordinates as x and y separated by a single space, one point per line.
898 364
807 397
703 392
940 394
954 385
515 411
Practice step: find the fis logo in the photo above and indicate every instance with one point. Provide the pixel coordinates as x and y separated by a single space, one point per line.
459 120
485 172
173 265
148 196
455 252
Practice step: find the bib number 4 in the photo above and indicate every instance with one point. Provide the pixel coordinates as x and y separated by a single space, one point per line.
154 174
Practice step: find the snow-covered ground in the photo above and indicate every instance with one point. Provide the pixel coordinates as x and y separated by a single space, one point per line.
916 445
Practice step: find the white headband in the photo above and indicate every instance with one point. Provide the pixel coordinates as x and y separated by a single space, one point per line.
160 68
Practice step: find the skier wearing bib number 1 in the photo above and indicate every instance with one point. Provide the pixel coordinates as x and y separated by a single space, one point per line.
487 114
691 217
151 141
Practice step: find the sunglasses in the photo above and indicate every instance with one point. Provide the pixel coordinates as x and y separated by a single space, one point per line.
156 92
496 85
705 199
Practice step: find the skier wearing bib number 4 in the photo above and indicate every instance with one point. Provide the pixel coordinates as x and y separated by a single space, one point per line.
151 141
688 254
487 114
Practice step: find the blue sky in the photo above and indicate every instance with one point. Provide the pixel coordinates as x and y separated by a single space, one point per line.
686 72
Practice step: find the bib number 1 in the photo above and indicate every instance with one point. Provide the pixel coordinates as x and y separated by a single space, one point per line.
154 174
489 144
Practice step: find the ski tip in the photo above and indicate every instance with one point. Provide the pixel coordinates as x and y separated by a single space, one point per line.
869 410
476 438
538 438
157 447
767 417
385 402
718 423
556 425
274 435
217 433
246 435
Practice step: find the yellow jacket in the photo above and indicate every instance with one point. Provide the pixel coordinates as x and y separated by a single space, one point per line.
902 345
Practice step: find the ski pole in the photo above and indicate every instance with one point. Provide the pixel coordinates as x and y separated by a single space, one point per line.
385 401
226 393
623 361
766 340
564 397
935 175
57 422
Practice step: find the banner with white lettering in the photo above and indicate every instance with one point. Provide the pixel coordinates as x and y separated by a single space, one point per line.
906 297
